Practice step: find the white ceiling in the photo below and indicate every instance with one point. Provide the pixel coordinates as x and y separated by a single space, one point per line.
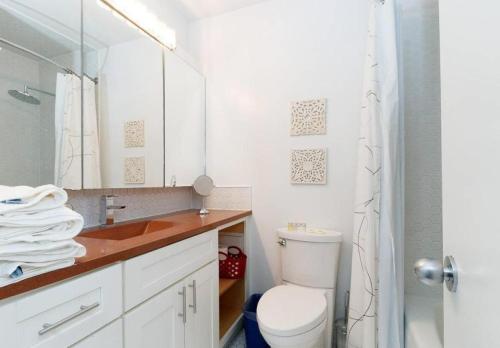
196 9
36 31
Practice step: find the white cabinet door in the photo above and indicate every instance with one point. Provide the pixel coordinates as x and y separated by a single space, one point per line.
157 322
109 337
202 326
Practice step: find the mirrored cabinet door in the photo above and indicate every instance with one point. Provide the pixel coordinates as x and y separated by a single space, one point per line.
40 99
126 101
184 122
132 115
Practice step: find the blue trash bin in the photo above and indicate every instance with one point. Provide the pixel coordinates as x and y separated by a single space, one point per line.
253 337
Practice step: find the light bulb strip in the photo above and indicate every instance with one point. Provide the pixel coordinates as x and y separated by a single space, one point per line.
114 9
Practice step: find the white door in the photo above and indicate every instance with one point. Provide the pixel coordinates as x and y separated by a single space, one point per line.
202 327
158 322
470 79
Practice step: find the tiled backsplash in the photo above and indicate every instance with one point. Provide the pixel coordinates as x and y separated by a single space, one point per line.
140 202
227 198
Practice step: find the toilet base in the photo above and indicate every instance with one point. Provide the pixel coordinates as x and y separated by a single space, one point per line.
314 338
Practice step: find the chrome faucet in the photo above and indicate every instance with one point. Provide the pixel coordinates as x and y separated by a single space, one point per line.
108 209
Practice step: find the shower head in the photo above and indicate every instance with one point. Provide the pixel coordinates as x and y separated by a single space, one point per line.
24 96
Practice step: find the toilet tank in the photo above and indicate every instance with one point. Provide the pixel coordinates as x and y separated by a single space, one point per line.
310 258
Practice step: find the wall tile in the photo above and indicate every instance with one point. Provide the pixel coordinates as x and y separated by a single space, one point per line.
140 202
228 198
423 226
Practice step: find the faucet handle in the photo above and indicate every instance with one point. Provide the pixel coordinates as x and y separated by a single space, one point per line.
107 209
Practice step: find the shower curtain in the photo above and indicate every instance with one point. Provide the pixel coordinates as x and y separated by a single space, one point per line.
377 289
68 130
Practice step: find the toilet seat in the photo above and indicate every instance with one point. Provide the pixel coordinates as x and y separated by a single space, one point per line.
289 310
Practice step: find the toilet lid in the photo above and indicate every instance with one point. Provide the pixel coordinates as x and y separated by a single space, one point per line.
288 310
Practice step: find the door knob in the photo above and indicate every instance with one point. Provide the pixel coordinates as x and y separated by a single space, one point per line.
432 272
281 242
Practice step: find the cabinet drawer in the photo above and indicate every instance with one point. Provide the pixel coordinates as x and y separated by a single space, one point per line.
147 275
63 314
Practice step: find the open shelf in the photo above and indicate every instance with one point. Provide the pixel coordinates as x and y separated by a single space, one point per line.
237 228
231 301
226 284
228 315
231 291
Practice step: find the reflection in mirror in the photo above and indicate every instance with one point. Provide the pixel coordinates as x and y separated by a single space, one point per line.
129 102
40 100
184 122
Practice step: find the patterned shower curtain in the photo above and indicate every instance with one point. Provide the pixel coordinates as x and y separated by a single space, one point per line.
377 288
68 131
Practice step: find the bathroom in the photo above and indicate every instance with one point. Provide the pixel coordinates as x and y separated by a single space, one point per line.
147 146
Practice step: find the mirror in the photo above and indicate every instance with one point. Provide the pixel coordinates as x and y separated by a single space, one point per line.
40 110
184 122
203 185
128 102
131 115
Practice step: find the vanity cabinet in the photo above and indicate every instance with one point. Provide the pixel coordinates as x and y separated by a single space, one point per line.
184 315
165 298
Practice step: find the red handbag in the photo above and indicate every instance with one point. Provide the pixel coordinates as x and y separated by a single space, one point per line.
232 265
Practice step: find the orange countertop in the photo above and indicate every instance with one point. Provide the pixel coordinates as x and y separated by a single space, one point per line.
103 252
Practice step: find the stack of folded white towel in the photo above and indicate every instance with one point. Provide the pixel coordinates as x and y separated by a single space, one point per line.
36 232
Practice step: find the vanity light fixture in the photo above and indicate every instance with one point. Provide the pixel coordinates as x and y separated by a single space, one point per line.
135 13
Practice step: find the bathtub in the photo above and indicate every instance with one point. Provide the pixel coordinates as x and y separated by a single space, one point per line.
424 322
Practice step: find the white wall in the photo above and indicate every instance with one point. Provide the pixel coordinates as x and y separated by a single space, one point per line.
257 60
423 225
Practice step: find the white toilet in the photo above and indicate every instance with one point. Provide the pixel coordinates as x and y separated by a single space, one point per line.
299 314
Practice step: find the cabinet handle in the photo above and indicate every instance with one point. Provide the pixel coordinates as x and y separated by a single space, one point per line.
183 314
83 309
194 296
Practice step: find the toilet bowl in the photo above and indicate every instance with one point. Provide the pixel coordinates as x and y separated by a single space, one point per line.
293 316
299 314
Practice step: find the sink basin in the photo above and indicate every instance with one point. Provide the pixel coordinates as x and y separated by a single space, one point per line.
126 231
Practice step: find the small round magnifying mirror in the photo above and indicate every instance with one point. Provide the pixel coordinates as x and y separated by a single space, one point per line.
204 185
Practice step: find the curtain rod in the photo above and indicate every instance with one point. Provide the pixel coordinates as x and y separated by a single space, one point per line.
33 53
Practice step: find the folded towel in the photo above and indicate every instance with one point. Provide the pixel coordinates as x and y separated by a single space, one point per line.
40 251
50 225
16 200
25 270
